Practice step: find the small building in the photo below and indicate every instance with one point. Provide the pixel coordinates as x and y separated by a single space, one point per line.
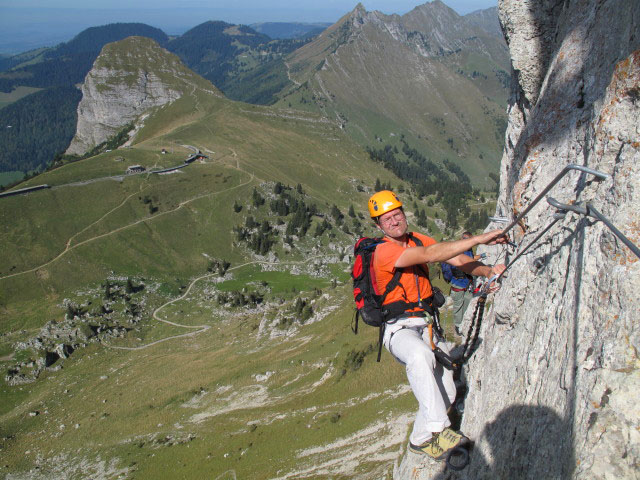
135 169
194 157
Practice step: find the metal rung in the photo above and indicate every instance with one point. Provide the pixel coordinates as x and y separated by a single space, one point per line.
559 215
565 170
589 211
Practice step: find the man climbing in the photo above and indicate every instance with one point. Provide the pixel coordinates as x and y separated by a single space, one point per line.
461 286
406 333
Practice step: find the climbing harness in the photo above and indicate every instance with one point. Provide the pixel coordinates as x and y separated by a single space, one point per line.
370 301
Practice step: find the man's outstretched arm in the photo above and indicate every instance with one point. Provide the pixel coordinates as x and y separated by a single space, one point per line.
446 251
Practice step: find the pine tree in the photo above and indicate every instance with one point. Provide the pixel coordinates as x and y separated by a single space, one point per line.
337 214
257 199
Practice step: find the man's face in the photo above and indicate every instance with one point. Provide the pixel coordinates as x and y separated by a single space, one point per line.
393 223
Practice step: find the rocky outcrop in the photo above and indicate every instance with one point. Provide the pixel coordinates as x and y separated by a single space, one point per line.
553 386
127 79
81 326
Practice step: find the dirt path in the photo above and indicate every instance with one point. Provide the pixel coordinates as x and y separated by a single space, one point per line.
295 82
124 227
102 217
201 328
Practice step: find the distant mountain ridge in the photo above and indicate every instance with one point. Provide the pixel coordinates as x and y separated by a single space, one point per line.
245 64
211 47
487 20
289 29
430 74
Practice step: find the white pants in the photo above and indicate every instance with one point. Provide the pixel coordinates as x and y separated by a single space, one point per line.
432 384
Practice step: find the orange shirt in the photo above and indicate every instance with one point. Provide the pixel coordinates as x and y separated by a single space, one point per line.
384 262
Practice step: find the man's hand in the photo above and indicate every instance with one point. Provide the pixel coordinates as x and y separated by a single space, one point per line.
493 237
495 270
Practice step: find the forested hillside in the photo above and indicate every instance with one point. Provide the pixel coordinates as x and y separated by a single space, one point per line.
68 63
44 123
450 185
289 29
35 128
244 64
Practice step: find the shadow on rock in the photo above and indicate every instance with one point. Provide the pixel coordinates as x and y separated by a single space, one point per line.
523 442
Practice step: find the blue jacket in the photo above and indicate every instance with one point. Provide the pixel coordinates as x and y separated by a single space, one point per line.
455 276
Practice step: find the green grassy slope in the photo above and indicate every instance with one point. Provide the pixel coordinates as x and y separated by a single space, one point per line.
253 375
226 402
255 391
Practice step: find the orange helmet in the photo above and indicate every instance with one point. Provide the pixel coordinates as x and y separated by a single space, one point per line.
383 202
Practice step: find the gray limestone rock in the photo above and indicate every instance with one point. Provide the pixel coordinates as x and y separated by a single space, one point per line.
553 386
128 78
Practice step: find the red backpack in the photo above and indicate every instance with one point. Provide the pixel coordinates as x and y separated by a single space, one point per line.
368 297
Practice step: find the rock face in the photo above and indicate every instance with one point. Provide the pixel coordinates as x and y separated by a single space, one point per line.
128 78
553 387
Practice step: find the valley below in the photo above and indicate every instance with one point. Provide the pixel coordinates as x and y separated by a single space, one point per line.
196 320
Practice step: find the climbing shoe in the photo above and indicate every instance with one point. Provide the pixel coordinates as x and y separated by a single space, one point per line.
448 439
440 444
431 448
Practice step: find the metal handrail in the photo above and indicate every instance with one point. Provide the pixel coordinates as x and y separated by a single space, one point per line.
559 215
590 211
565 170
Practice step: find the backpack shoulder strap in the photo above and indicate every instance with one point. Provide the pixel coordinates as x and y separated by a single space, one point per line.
415 239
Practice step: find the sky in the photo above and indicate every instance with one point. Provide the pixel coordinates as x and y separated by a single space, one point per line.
28 24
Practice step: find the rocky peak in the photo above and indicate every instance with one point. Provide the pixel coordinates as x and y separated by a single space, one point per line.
486 19
128 78
441 30
433 12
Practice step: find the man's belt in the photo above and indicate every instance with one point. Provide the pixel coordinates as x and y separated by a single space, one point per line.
458 289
